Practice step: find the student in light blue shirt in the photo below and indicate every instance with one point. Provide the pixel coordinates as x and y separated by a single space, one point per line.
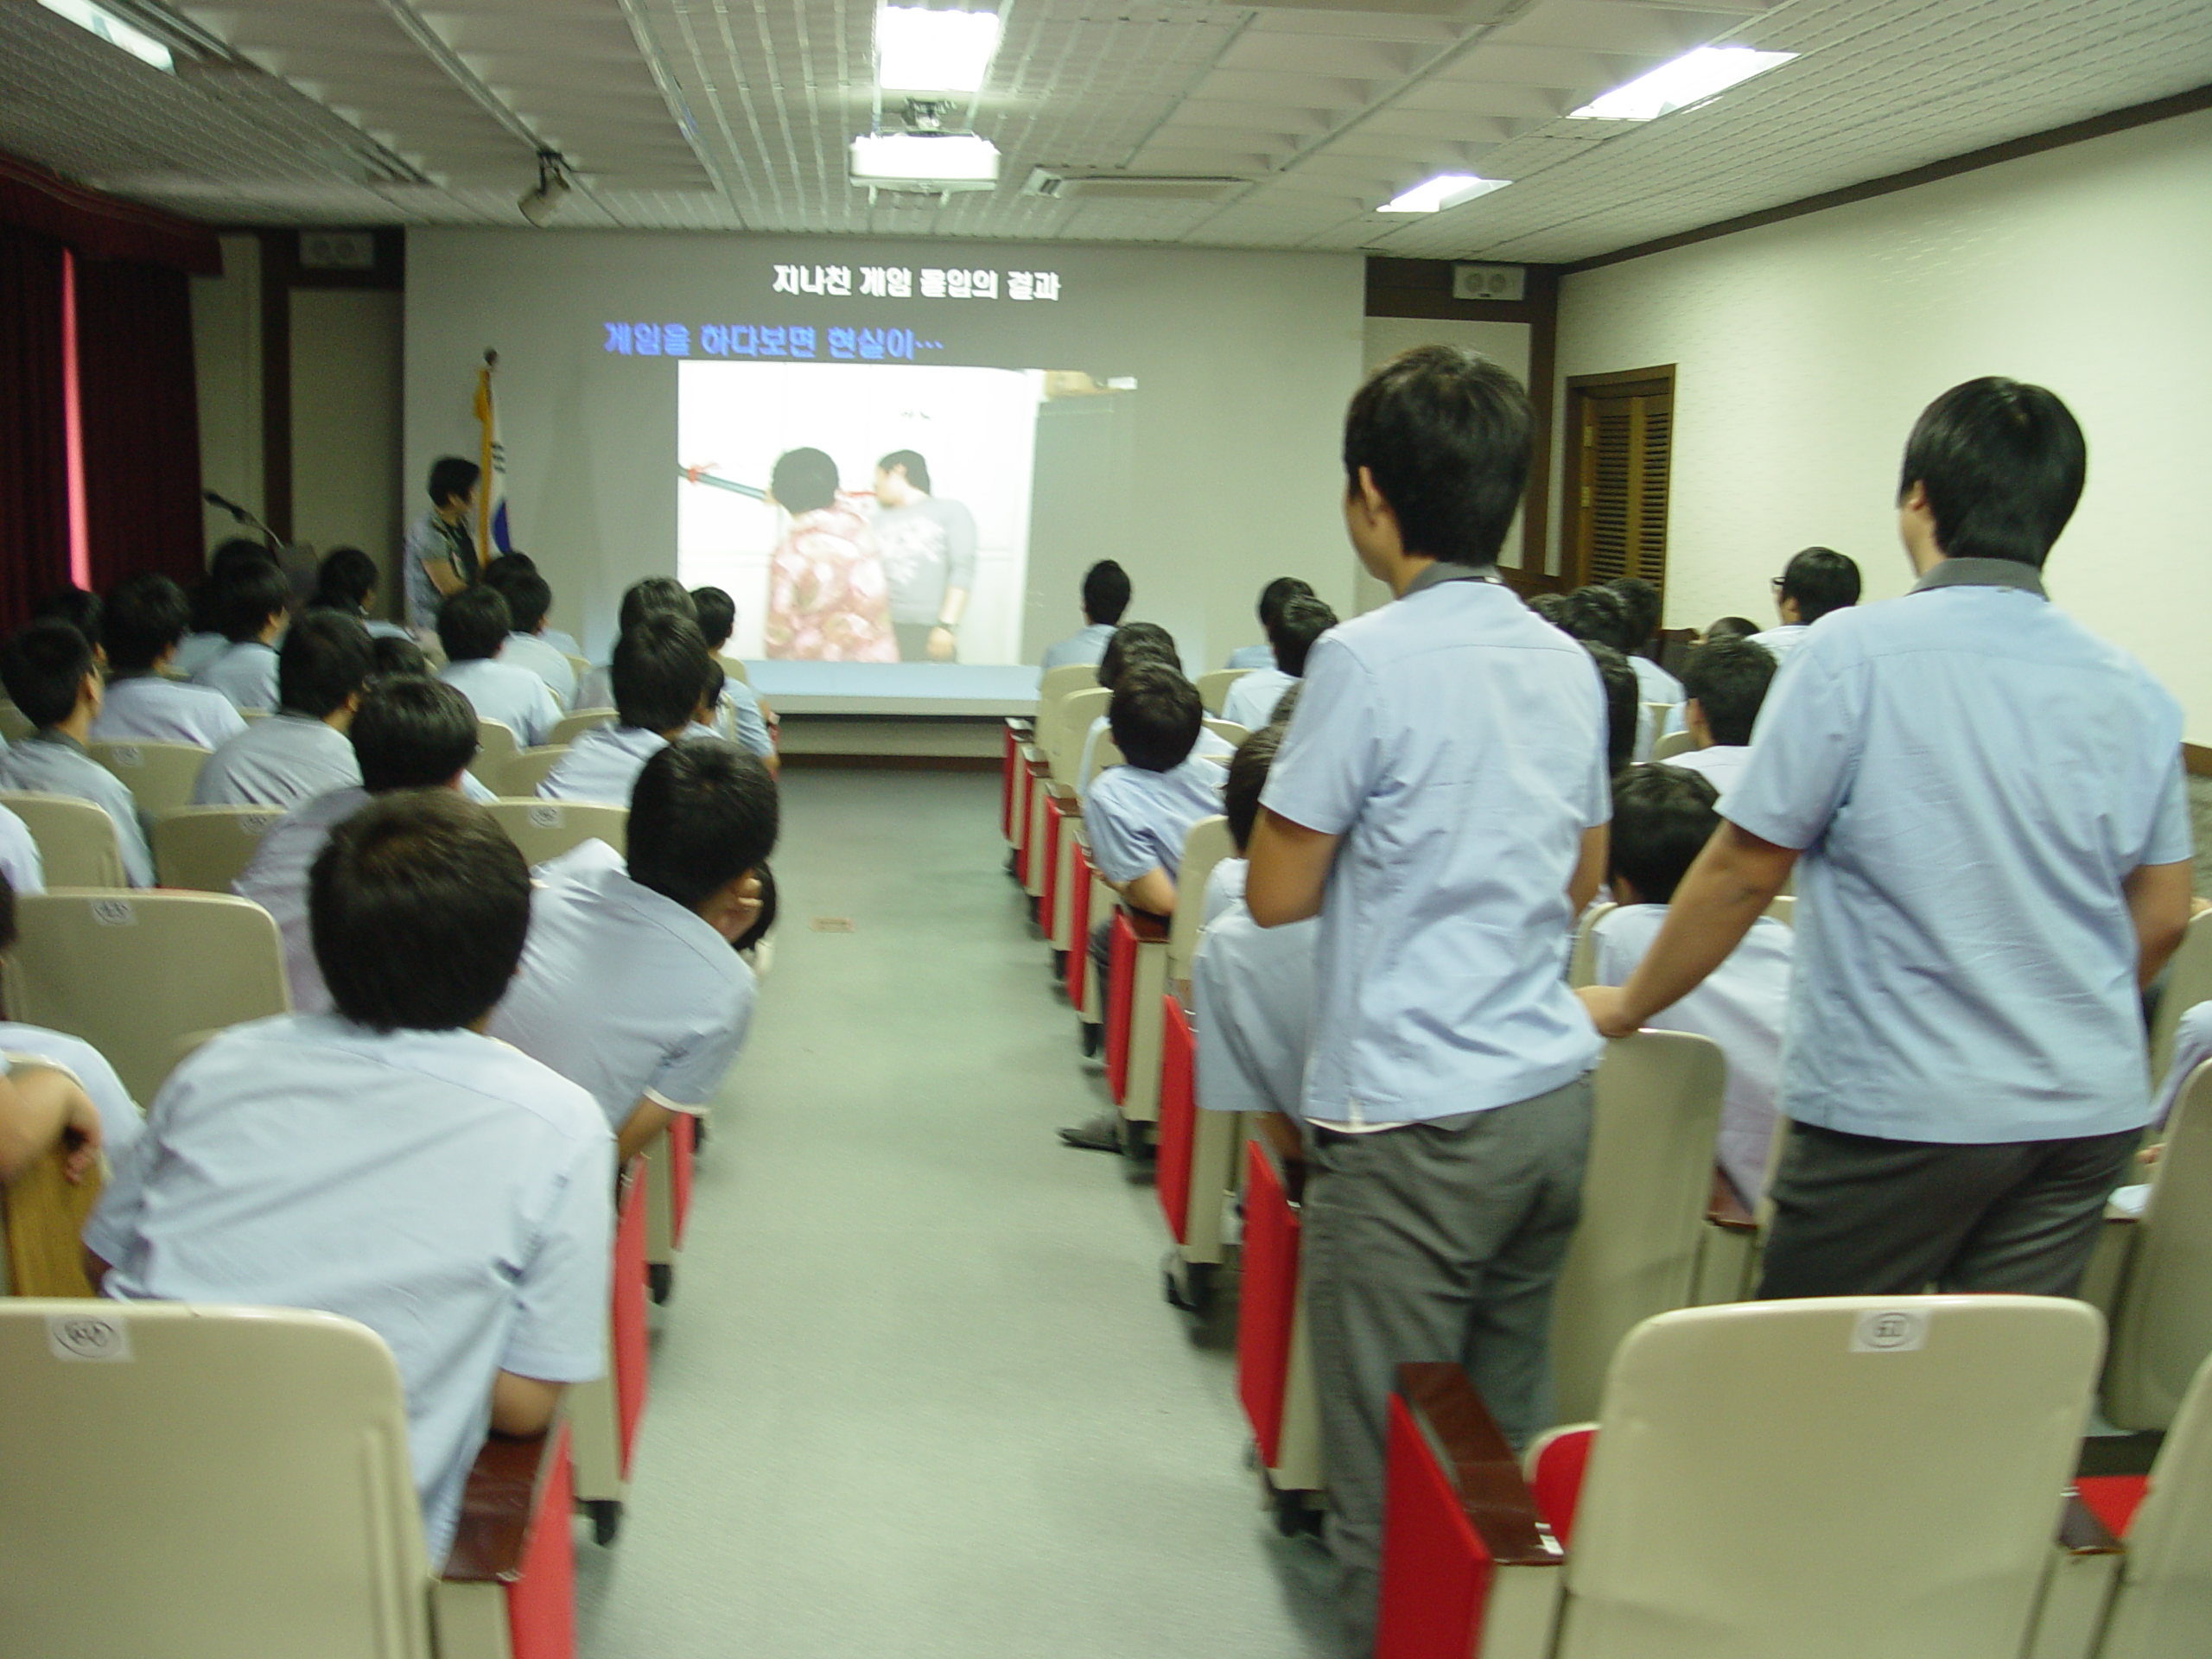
345 581
473 626
1983 806
738 714
1273 597
253 611
302 750
20 862
1814 584
1440 802
1105 597
49 671
1251 700
632 985
528 594
143 623
1727 681
386 1162
1598 616
660 673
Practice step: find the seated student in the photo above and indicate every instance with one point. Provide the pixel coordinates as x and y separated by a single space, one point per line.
1624 713
254 614
120 1122
1273 597
81 609
1136 816
1663 818
144 623
1225 886
2192 1048
1727 681
229 561
639 600
345 581
1253 985
1815 583
409 733
741 718
1551 608
472 628
390 657
528 596
1597 616
47 668
1133 643
1251 700
1105 596
1729 627
631 985
514 559
660 674
302 752
387 1162
1640 604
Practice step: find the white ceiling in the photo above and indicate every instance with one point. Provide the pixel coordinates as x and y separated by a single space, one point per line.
714 114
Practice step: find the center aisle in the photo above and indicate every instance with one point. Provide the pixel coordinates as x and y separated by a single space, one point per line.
917 1392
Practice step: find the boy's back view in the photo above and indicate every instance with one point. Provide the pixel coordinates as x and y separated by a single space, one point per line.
47 668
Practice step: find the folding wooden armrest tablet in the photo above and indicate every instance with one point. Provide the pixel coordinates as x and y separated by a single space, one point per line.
496 748
206 848
1727 1247
1138 962
545 830
668 1200
158 775
530 767
42 1215
76 841
1214 687
508 1587
1015 735
1275 1371
603 1415
576 723
2161 1322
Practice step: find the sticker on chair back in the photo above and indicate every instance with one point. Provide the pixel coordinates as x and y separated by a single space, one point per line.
127 754
544 818
255 824
1890 1331
114 912
92 1336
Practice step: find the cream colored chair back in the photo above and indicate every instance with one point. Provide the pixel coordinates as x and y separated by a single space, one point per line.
207 848
1582 959
1645 1193
1071 725
133 973
496 748
1056 683
530 767
76 841
1228 731
1214 687
582 664
158 775
570 728
197 1482
734 668
2164 1610
1782 909
1205 845
2162 1329
1833 1479
252 715
2189 981
14 725
545 830
1103 753
1672 744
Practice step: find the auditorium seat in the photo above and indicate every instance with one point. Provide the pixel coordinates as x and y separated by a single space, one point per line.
76 841
1213 687
1582 958
582 664
496 748
733 668
1672 744
207 848
603 1415
1136 977
573 725
42 1216
1228 731
530 767
668 1201
2188 982
545 830
1828 1479
1062 805
1196 1149
139 975
508 1589
1015 733
159 776
14 725
2162 1323
1274 1368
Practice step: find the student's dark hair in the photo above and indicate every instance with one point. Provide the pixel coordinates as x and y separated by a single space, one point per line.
710 687
918 470
1595 615
411 733
325 659
2003 463
1445 434
761 923
1623 702
43 668
1551 608
528 596
79 607
452 476
1132 640
804 480
344 579
716 612
474 623
1821 580
1663 816
1248 777
703 812
392 657
649 596
657 670
1303 620
7 913
145 615
1155 717
1286 706
512 560
1729 678
417 905
1278 594
230 560
1105 592
1731 628
249 601
1641 600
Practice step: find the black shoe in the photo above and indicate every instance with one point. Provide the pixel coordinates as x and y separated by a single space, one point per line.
1099 1133
1094 1038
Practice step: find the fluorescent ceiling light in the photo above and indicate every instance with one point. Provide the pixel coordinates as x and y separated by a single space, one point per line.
1690 79
919 51
932 161
1445 190
112 29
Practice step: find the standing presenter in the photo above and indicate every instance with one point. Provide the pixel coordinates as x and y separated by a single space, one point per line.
929 557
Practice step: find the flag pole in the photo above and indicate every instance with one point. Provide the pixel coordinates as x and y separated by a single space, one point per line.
484 460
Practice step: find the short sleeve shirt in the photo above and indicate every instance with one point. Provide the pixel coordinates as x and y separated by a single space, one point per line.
508 693
1456 743
928 546
1251 700
531 652
246 674
19 855
1251 656
46 763
602 764
431 540
2192 1048
1253 987
1086 647
742 722
1971 776
277 880
120 1122
1136 820
146 708
451 1194
1719 765
280 762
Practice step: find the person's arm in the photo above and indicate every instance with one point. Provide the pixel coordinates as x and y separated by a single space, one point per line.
444 577
1589 867
1734 880
522 1406
944 638
40 1107
1152 891
2159 901
1288 870
647 1118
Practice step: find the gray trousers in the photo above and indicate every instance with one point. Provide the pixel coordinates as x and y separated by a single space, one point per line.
1856 1216
1437 1241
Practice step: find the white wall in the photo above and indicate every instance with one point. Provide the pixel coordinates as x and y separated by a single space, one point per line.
227 355
1805 350
347 489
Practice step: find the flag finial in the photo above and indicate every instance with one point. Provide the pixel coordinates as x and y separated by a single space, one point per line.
491 358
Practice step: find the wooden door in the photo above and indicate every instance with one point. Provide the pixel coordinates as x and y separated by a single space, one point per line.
1620 438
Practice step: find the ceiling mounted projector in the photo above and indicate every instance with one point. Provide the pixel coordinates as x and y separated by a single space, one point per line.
940 161
540 204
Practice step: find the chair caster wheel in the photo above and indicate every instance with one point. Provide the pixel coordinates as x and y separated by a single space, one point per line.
606 1519
660 1278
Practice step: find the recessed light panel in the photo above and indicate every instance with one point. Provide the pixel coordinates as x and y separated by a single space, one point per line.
1690 79
112 29
1445 190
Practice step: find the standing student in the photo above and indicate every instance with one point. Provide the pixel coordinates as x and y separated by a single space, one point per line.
387 1162
301 752
929 558
474 627
143 624
440 556
1251 700
1440 802
1727 683
631 984
659 676
1273 597
1814 584
253 614
49 671
1988 805
1105 597
528 596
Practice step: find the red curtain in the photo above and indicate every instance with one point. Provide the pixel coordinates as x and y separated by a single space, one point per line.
34 454
141 419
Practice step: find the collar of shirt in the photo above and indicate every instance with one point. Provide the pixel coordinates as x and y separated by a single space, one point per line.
1982 573
57 737
1443 570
